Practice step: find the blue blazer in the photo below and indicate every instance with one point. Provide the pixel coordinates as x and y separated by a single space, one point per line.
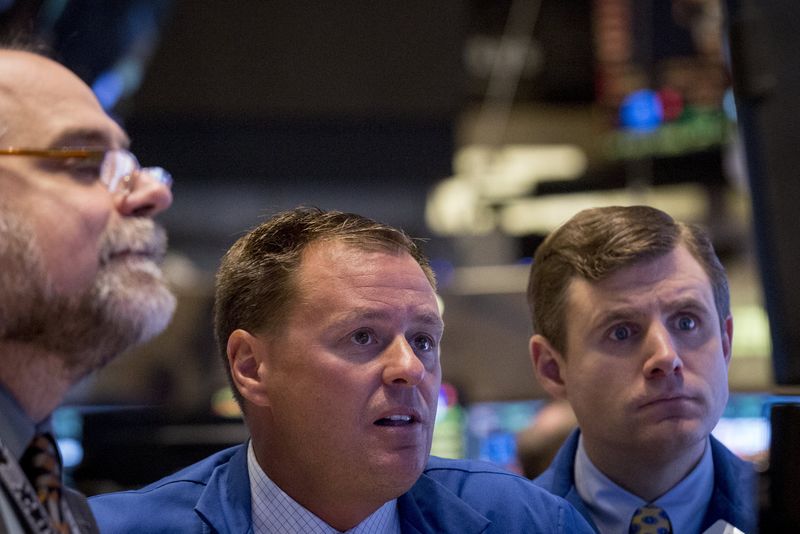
733 500
451 496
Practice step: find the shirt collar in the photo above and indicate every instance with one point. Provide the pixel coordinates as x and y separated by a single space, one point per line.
274 511
611 506
16 428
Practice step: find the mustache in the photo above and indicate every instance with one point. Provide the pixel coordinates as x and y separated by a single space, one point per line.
141 237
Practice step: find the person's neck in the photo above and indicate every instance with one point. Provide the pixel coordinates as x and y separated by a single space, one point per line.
325 499
644 473
340 511
343 518
35 378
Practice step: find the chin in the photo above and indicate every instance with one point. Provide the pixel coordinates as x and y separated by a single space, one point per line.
145 310
151 317
677 435
397 482
121 324
407 469
135 301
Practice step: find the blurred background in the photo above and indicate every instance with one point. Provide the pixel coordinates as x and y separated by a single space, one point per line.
479 125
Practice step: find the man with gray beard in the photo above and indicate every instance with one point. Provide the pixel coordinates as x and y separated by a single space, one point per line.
79 275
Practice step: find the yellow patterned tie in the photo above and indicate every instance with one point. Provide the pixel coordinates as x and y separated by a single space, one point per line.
43 468
650 519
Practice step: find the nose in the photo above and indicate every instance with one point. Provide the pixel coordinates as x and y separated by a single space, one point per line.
150 195
402 366
663 358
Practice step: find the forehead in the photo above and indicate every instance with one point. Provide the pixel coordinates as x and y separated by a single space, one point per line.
344 274
43 104
673 276
335 261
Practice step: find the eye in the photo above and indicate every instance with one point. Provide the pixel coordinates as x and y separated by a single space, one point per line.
686 322
83 168
620 333
423 343
362 337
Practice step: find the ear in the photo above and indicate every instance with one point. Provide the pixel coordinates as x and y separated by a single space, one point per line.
548 364
246 357
727 339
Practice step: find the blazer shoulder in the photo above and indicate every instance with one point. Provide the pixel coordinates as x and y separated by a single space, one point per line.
497 493
162 505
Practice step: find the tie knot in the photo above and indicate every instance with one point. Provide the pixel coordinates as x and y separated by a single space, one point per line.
41 461
650 519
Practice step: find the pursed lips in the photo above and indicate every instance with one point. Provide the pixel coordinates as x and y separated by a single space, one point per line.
663 399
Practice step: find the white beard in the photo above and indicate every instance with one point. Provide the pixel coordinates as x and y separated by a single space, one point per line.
129 302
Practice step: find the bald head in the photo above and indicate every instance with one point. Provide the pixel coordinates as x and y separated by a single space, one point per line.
41 102
80 280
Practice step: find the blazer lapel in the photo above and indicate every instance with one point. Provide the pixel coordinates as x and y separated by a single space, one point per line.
735 490
430 507
225 503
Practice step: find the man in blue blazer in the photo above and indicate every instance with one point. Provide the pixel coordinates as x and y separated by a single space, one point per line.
632 325
329 328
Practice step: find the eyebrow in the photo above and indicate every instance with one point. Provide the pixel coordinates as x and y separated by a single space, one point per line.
615 315
692 303
626 313
429 319
85 138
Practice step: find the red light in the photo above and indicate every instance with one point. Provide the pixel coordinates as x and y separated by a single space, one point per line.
671 103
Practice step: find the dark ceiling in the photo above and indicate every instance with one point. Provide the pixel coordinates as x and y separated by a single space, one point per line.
257 105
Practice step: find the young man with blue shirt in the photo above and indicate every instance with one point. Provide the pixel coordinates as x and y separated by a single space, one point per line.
329 327
632 325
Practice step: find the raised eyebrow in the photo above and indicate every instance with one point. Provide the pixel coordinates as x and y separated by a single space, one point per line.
431 320
355 316
615 316
690 303
358 315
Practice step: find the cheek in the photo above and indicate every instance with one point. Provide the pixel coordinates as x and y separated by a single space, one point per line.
717 378
433 377
715 388
430 391
337 391
708 361
67 221
72 256
598 384
589 371
70 230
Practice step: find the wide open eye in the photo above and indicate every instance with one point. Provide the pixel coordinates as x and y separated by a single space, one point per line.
423 343
620 332
362 337
686 322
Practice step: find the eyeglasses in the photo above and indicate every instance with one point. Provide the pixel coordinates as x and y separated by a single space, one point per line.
119 170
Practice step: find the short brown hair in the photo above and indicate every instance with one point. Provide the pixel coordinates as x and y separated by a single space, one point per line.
597 242
256 282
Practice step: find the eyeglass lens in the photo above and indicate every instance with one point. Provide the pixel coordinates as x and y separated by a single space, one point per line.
118 169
